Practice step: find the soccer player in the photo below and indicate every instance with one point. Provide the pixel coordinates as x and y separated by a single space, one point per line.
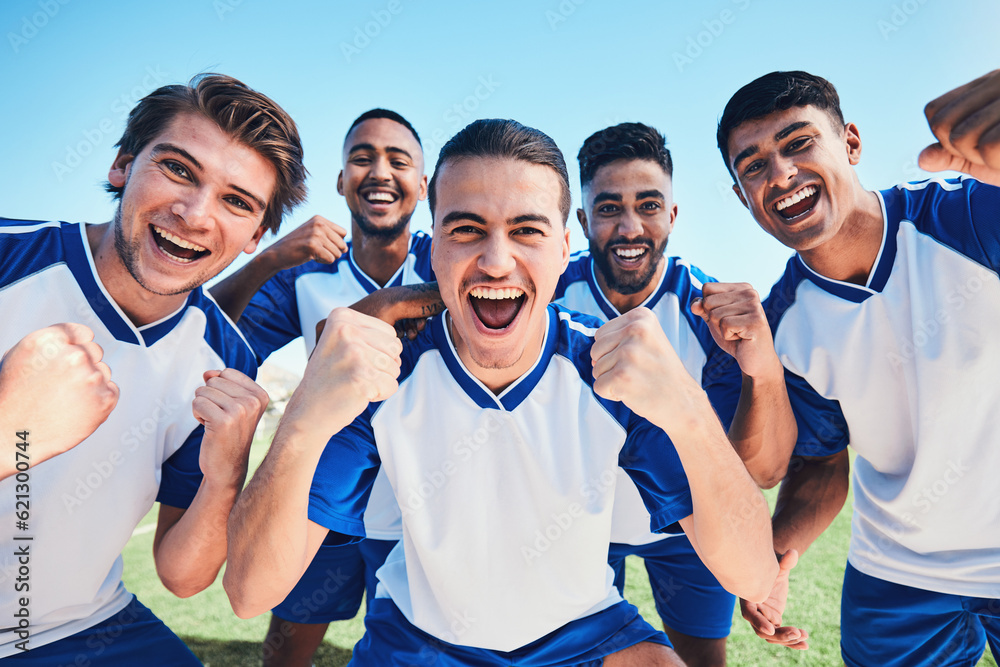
498 428
888 310
626 174
202 171
309 273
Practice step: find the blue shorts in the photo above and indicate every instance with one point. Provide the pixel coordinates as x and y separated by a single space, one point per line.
392 641
133 636
688 597
332 586
891 625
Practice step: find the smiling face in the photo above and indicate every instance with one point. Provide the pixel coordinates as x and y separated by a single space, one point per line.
794 171
628 215
499 247
193 199
383 177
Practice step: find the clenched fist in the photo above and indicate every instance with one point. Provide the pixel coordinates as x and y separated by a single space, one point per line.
635 363
54 385
229 407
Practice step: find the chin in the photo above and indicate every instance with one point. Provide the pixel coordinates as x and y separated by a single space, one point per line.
495 360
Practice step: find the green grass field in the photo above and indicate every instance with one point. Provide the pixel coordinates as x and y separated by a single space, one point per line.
220 639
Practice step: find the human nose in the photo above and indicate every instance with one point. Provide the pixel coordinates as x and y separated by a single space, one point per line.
380 169
781 170
629 224
195 208
496 259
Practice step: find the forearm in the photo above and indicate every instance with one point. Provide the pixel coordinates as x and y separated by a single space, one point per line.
268 527
810 498
763 431
731 521
234 293
190 552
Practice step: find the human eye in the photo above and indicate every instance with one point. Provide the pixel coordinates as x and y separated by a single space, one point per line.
239 203
753 168
650 206
607 209
176 168
798 143
528 231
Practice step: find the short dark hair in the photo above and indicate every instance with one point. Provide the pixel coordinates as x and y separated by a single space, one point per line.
625 141
249 117
383 113
498 138
772 92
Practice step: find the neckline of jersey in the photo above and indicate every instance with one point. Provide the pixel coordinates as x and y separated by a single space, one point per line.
81 263
480 394
605 304
366 281
881 269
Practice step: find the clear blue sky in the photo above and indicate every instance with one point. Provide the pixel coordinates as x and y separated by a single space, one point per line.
71 70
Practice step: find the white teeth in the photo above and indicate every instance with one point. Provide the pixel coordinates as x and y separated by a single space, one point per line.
629 253
380 196
795 198
490 293
178 241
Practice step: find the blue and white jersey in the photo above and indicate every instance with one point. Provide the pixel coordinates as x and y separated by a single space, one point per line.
86 502
910 360
717 371
507 500
290 305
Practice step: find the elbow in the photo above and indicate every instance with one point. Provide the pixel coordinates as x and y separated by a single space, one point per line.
182 587
239 597
757 588
771 478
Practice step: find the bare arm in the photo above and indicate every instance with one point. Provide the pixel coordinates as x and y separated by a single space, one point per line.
811 496
271 539
634 363
190 545
317 239
763 431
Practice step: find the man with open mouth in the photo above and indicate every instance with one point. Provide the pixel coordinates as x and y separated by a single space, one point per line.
294 284
202 171
888 313
501 428
628 213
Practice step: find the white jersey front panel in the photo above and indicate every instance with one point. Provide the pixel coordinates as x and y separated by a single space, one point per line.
295 300
507 501
679 283
912 359
86 502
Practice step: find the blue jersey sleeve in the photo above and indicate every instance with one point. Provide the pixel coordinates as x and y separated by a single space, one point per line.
722 380
181 474
271 319
984 201
651 461
343 480
822 426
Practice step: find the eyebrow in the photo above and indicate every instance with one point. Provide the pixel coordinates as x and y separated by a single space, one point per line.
781 134
171 148
370 147
456 216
